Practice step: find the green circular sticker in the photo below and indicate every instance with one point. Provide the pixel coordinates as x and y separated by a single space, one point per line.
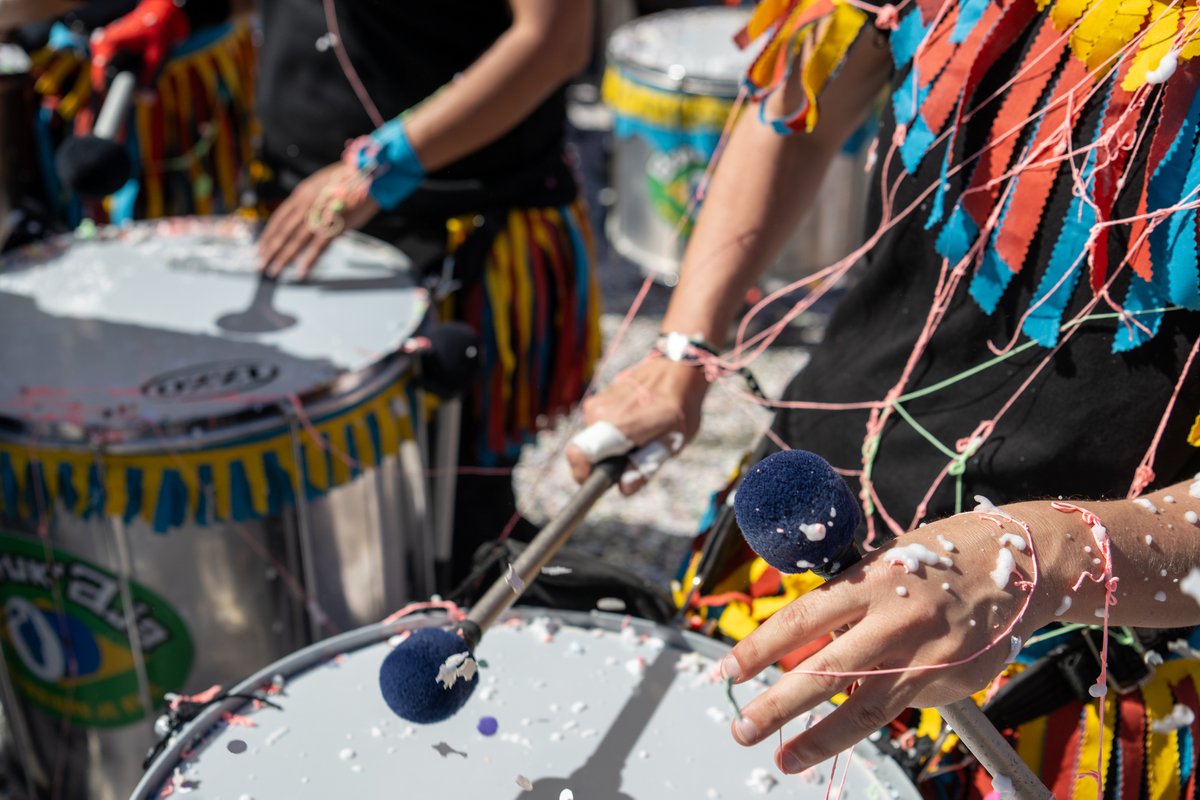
75 660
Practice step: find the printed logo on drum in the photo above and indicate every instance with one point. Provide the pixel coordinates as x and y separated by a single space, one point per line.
215 379
671 180
65 631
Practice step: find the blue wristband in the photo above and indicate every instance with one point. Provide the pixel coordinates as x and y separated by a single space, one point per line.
397 172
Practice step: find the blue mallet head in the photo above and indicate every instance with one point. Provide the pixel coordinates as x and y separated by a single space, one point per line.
797 513
409 676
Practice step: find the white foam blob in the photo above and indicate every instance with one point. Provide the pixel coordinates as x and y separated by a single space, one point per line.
1014 541
1063 607
1191 584
1180 717
1004 568
814 532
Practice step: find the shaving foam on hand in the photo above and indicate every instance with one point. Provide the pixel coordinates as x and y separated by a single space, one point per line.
601 440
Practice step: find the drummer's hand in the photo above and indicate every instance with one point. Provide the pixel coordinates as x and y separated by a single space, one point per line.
927 625
290 235
655 403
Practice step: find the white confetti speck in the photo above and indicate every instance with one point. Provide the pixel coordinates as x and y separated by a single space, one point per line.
1191 584
1145 503
945 587
1149 539
277 734
814 532
524 783
613 604
458 665
376 732
1192 517
1063 607
346 754
643 754
1098 689
1180 717
761 781
902 591
578 707
566 794
716 714
1160 597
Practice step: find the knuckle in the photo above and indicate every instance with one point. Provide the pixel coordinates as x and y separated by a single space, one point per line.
867 715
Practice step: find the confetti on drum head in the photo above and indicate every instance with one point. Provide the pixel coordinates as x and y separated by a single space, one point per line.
524 783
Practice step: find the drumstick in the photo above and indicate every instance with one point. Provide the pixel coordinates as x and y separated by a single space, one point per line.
778 489
94 165
429 676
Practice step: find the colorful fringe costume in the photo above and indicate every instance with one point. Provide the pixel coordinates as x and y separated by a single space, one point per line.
536 301
1054 147
190 140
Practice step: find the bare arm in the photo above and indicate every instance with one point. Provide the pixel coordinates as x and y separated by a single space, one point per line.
762 187
546 44
944 614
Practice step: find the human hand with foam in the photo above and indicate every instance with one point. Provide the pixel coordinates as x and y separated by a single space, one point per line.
934 615
652 409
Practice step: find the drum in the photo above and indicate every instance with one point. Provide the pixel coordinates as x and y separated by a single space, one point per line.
589 705
672 81
200 472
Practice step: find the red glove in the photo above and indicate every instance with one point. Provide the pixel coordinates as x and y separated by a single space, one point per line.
149 31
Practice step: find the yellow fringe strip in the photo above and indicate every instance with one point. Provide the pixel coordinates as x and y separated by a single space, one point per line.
336 431
661 108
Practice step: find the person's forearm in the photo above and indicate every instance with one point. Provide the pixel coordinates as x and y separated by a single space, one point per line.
760 191
1153 552
545 46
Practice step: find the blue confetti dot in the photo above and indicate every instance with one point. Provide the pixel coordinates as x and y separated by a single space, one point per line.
488 726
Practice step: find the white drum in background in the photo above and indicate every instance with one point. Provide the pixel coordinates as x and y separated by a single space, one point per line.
671 81
200 472
609 708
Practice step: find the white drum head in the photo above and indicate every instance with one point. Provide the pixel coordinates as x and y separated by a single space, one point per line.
168 322
605 709
695 44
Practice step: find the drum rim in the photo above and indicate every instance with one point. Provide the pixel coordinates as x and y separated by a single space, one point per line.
696 84
195 732
343 391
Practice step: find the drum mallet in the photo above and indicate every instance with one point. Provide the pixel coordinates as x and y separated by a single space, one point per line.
431 674
779 505
95 165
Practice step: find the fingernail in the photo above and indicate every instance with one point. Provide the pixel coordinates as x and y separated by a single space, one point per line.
745 731
790 763
730 670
